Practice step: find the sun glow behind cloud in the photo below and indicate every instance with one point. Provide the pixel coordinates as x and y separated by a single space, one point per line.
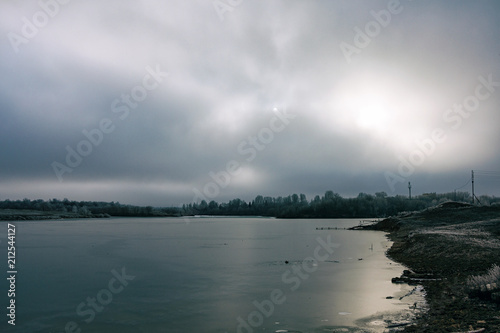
224 80
384 107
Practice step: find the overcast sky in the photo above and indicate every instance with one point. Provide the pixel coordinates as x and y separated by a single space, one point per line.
150 102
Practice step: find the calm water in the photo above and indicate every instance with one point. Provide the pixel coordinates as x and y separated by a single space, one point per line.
198 275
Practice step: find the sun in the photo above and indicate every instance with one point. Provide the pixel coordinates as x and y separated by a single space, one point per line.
372 114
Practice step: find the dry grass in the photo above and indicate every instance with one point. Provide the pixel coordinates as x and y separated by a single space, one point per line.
486 283
461 246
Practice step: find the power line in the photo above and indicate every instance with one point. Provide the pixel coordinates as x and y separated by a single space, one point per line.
468 182
492 173
489 174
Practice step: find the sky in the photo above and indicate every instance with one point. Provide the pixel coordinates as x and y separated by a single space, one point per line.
164 103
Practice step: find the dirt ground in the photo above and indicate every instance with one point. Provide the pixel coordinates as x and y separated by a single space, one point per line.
443 247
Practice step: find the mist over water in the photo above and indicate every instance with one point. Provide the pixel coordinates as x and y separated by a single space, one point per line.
201 275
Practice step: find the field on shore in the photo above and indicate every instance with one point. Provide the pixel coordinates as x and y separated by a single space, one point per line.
452 250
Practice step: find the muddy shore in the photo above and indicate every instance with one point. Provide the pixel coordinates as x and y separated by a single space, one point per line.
444 248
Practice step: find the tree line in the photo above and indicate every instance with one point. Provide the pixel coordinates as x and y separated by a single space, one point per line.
330 205
88 208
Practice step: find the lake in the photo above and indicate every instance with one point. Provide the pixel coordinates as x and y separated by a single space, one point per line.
202 274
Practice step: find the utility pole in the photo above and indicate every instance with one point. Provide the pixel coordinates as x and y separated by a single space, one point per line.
472 178
409 190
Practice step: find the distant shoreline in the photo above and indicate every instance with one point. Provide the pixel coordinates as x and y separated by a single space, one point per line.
35 215
38 215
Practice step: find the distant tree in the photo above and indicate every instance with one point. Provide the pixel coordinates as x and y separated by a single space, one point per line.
329 195
303 199
84 211
259 200
268 201
212 205
203 205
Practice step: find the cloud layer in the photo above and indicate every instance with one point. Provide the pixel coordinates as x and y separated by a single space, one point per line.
353 117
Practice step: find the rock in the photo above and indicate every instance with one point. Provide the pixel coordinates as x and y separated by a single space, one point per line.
399 280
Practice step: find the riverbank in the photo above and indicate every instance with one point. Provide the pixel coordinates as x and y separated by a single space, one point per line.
38 215
35 215
451 250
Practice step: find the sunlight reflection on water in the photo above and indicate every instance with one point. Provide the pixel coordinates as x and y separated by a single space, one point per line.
203 275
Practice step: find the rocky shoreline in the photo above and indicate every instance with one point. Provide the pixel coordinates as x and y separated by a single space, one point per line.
452 250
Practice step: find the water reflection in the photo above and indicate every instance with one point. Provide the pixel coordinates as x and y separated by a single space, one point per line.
211 275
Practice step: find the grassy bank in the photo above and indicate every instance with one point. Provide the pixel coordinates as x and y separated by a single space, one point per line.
34 215
452 251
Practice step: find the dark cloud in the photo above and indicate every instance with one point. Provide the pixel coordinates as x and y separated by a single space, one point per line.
353 122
